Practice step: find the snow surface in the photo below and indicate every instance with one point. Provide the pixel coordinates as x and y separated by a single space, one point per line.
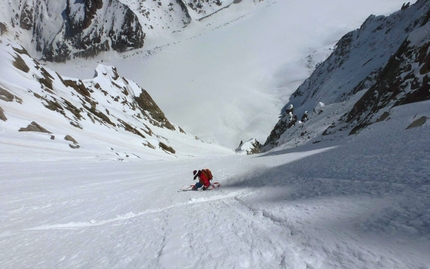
363 202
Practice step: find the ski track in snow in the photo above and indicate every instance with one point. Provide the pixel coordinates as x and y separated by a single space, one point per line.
131 215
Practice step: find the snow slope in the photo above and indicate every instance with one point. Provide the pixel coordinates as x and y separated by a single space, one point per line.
363 203
360 203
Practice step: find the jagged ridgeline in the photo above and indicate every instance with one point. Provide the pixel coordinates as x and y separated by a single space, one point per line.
36 99
384 64
61 30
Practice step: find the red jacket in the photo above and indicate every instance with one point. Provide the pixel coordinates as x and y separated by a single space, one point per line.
202 178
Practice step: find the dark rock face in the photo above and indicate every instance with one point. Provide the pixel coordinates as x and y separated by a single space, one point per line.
200 6
148 106
26 19
2 115
73 143
81 28
250 147
8 97
417 123
34 127
183 8
404 80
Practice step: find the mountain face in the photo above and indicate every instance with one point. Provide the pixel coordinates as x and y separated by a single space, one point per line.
36 99
382 65
61 30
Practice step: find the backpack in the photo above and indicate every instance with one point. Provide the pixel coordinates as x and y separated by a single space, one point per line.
208 173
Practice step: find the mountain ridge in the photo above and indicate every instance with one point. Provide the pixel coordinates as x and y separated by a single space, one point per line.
35 98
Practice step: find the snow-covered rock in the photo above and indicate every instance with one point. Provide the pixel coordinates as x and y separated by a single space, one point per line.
36 99
251 146
383 64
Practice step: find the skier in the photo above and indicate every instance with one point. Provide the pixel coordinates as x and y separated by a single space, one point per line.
203 180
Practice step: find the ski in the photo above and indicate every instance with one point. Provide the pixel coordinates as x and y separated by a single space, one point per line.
213 185
186 188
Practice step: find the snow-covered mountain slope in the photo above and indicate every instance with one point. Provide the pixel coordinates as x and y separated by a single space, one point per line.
83 115
61 30
383 64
